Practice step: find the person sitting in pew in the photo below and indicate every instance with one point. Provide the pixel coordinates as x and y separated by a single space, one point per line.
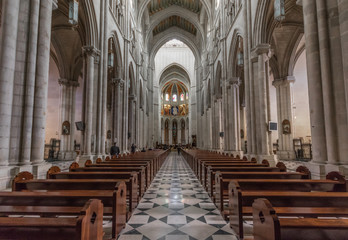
115 150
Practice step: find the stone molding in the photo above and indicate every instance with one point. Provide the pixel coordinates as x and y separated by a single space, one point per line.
283 81
132 97
68 83
91 51
261 49
234 82
118 82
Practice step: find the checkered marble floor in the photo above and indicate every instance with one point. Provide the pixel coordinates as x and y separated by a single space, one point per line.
176 207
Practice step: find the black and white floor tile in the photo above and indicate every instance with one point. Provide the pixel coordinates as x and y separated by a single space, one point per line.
176 207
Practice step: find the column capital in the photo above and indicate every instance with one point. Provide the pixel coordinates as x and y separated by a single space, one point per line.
234 82
91 51
68 83
283 81
132 97
118 82
261 49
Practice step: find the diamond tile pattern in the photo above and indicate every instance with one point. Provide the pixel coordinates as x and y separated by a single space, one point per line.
176 207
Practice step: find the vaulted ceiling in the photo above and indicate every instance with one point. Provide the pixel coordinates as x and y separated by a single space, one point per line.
175 21
158 5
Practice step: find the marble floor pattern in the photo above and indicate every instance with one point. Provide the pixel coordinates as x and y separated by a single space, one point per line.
176 207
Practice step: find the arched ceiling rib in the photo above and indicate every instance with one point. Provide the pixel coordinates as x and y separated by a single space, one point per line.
180 35
174 71
155 5
185 18
175 21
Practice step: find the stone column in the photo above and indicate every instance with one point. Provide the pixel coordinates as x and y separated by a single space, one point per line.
117 116
319 148
226 118
170 127
67 108
343 21
9 21
235 117
41 84
131 120
284 94
105 79
90 55
30 84
261 54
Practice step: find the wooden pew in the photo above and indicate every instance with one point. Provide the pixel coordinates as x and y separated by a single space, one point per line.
130 178
213 167
253 173
222 180
153 167
210 178
203 165
140 171
65 203
268 226
87 226
286 199
148 173
201 161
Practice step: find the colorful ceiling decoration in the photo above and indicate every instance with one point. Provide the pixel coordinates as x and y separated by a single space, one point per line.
174 87
158 5
175 21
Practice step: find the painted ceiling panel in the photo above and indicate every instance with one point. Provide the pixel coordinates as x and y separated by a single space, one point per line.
158 5
175 21
174 87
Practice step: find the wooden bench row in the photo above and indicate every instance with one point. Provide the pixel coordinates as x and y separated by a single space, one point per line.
68 193
281 203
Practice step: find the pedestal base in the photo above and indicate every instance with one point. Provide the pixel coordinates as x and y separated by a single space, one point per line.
238 153
272 159
67 156
82 159
6 174
319 171
286 155
40 170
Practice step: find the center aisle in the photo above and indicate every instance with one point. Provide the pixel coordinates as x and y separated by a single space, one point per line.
176 207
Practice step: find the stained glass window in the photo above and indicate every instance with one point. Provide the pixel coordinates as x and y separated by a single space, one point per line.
187 96
175 98
167 97
182 98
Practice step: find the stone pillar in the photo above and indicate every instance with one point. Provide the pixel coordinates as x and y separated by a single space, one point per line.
260 56
319 148
9 21
235 117
343 21
131 121
41 84
117 116
30 84
90 55
67 108
170 127
284 93
105 79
